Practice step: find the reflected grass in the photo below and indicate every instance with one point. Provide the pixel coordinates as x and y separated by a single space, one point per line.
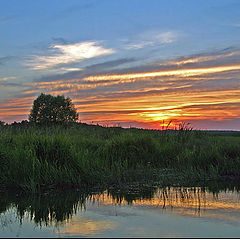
57 207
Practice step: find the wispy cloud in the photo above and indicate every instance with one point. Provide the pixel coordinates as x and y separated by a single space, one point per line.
213 58
4 79
70 69
15 108
204 86
151 38
5 59
68 53
234 24
110 64
179 72
60 40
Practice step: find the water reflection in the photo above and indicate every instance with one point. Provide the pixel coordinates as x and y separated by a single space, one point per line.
81 225
61 209
221 205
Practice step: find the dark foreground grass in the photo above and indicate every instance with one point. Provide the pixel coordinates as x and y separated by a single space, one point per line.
34 158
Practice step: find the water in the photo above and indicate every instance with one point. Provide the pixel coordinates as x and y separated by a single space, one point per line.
148 212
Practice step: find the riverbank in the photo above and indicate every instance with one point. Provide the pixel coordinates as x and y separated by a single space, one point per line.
34 158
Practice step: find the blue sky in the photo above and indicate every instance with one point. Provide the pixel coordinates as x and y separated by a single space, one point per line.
42 40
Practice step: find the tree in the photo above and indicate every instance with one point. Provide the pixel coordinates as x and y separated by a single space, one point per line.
48 109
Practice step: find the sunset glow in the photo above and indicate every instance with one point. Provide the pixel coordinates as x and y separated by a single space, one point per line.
139 77
180 73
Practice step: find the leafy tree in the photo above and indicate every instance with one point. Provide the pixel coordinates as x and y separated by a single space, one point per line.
2 123
48 109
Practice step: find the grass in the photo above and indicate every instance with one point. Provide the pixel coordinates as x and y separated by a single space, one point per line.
35 158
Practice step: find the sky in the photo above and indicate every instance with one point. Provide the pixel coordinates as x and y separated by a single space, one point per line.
138 63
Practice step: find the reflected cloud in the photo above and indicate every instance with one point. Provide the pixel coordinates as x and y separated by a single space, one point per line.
83 212
195 202
80 225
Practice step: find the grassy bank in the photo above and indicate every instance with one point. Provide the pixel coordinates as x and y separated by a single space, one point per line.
32 158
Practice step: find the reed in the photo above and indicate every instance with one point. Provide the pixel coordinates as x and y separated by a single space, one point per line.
34 158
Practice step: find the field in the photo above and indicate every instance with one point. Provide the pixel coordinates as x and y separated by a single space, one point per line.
35 158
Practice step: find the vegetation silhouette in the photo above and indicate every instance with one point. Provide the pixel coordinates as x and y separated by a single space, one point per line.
47 209
44 154
48 109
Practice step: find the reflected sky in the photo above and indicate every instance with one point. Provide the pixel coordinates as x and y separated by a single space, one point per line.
163 212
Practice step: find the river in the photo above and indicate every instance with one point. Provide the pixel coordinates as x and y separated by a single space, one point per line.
170 212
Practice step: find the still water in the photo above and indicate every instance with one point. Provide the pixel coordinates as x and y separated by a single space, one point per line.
170 212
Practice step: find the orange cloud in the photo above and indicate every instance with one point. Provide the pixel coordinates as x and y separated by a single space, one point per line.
80 225
180 73
147 96
198 59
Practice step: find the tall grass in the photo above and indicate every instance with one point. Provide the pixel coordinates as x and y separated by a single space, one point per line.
35 158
